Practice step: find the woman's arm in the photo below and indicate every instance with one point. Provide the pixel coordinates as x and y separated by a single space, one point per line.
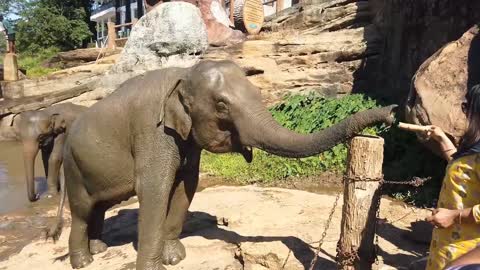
445 218
446 145
471 257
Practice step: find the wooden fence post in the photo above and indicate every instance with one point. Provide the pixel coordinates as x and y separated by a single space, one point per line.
360 203
112 35
279 6
10 67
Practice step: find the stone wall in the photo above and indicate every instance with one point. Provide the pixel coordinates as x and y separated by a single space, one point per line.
412 31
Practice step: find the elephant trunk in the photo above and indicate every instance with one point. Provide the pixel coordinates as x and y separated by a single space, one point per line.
30 151
260 130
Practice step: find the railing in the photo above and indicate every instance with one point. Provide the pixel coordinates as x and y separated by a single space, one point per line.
115 35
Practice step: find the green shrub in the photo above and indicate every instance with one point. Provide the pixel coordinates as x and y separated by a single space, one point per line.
33 62
404 156
304 114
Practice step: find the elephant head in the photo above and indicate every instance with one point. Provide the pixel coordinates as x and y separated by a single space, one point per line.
217 106
37 129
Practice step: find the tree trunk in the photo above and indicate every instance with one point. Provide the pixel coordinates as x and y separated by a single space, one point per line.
365 160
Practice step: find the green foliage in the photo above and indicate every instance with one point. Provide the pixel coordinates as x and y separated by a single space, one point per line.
33 62
304 114
47 23
404 156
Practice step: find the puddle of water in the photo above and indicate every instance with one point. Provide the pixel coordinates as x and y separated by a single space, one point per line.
13 190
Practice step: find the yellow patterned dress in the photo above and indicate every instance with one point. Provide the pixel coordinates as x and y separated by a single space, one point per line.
460 190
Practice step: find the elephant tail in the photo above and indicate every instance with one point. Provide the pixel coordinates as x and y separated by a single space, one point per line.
55 230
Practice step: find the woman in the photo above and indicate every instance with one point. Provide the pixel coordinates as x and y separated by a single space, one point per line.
457 218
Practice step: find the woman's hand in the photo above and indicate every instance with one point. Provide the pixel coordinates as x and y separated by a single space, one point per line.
446 145
437 134
443 218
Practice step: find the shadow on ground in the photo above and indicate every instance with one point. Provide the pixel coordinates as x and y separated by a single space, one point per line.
122 229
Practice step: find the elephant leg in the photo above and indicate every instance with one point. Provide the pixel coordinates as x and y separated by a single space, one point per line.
155 171
95 229
182 196
81 207
54 164
79 248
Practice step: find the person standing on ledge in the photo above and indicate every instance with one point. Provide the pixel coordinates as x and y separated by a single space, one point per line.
9 27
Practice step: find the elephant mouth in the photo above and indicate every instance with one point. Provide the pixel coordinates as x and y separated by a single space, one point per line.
247 153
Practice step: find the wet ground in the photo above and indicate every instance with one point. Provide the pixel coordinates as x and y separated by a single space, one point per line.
20 220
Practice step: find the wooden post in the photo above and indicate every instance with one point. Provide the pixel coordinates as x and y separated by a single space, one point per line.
232 10
112 36
10 67
279 5
360 202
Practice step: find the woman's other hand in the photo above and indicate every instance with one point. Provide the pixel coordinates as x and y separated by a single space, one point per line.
443 218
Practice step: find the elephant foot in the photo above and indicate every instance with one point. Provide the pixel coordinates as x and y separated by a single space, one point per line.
173 252
97 246
80 259
151 266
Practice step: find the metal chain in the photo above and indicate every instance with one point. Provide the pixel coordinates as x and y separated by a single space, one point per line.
324 234
415 181
345 258
349 257
377 218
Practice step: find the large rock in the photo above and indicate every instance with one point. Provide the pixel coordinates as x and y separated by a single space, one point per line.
440 84
412 31
171 34
216 20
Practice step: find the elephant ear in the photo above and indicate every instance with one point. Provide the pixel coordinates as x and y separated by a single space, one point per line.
176 112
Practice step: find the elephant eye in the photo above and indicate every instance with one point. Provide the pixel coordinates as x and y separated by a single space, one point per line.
221 107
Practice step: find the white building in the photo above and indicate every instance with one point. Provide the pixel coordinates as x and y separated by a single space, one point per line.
116 11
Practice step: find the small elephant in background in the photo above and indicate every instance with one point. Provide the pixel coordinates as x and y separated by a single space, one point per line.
45 130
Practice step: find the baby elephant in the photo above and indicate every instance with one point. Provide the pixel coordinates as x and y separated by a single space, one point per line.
148 142
45 130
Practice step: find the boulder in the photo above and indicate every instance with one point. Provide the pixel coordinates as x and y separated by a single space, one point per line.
413 30
440 84
171 34
216 20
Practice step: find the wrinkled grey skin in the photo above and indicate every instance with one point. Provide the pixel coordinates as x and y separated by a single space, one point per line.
45 130
148 142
